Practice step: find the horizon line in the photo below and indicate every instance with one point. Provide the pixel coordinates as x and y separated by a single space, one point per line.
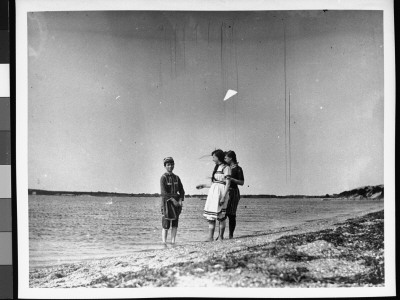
156 193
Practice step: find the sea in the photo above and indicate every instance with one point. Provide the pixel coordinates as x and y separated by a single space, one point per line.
70 229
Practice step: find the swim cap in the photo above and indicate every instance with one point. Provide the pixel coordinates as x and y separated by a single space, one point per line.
168 159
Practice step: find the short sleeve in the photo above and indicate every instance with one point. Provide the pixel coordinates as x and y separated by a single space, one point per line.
240 174
162 185
227 170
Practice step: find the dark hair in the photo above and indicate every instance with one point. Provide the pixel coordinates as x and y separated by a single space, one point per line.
220 155
232 155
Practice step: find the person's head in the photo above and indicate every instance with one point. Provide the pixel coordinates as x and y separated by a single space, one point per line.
218 156
169 164
230 157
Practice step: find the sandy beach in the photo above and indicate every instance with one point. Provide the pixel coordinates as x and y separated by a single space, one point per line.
341 251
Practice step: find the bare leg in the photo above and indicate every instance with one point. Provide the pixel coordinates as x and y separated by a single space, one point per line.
173 234
211 228
164 235
222 226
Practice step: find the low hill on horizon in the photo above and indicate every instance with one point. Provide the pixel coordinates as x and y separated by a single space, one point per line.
365 192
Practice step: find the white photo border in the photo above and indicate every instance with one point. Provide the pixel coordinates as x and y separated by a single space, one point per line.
22 7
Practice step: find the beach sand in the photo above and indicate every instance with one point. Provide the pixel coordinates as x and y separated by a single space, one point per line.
341 251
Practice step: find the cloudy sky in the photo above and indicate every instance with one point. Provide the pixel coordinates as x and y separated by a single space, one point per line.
113 93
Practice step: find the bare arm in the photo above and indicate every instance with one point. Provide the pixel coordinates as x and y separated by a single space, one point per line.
227 173
240 179
203 186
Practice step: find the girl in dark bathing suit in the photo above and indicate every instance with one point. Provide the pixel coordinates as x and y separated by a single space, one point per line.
237 178
172 195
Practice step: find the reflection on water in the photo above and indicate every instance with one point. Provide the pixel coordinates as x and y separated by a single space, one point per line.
72 228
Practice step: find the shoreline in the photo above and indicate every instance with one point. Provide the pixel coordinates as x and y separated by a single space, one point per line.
155 245
198 264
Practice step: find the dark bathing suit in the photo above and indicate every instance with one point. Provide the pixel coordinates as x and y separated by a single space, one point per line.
171 187
234 194
234 197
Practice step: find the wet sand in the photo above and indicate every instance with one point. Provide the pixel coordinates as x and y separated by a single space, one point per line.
341 251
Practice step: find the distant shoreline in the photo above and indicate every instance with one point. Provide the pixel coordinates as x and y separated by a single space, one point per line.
367 192
108 194
104 194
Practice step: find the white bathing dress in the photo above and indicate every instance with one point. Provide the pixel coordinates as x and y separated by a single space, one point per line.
212 209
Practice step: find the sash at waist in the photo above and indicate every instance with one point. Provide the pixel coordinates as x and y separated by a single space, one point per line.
220 182
175 196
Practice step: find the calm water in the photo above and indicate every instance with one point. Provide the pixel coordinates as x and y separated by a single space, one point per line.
72 228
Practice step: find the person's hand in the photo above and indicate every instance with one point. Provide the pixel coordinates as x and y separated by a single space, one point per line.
222 200
228 177
180 203
174 202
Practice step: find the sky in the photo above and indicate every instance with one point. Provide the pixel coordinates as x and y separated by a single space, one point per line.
112 93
